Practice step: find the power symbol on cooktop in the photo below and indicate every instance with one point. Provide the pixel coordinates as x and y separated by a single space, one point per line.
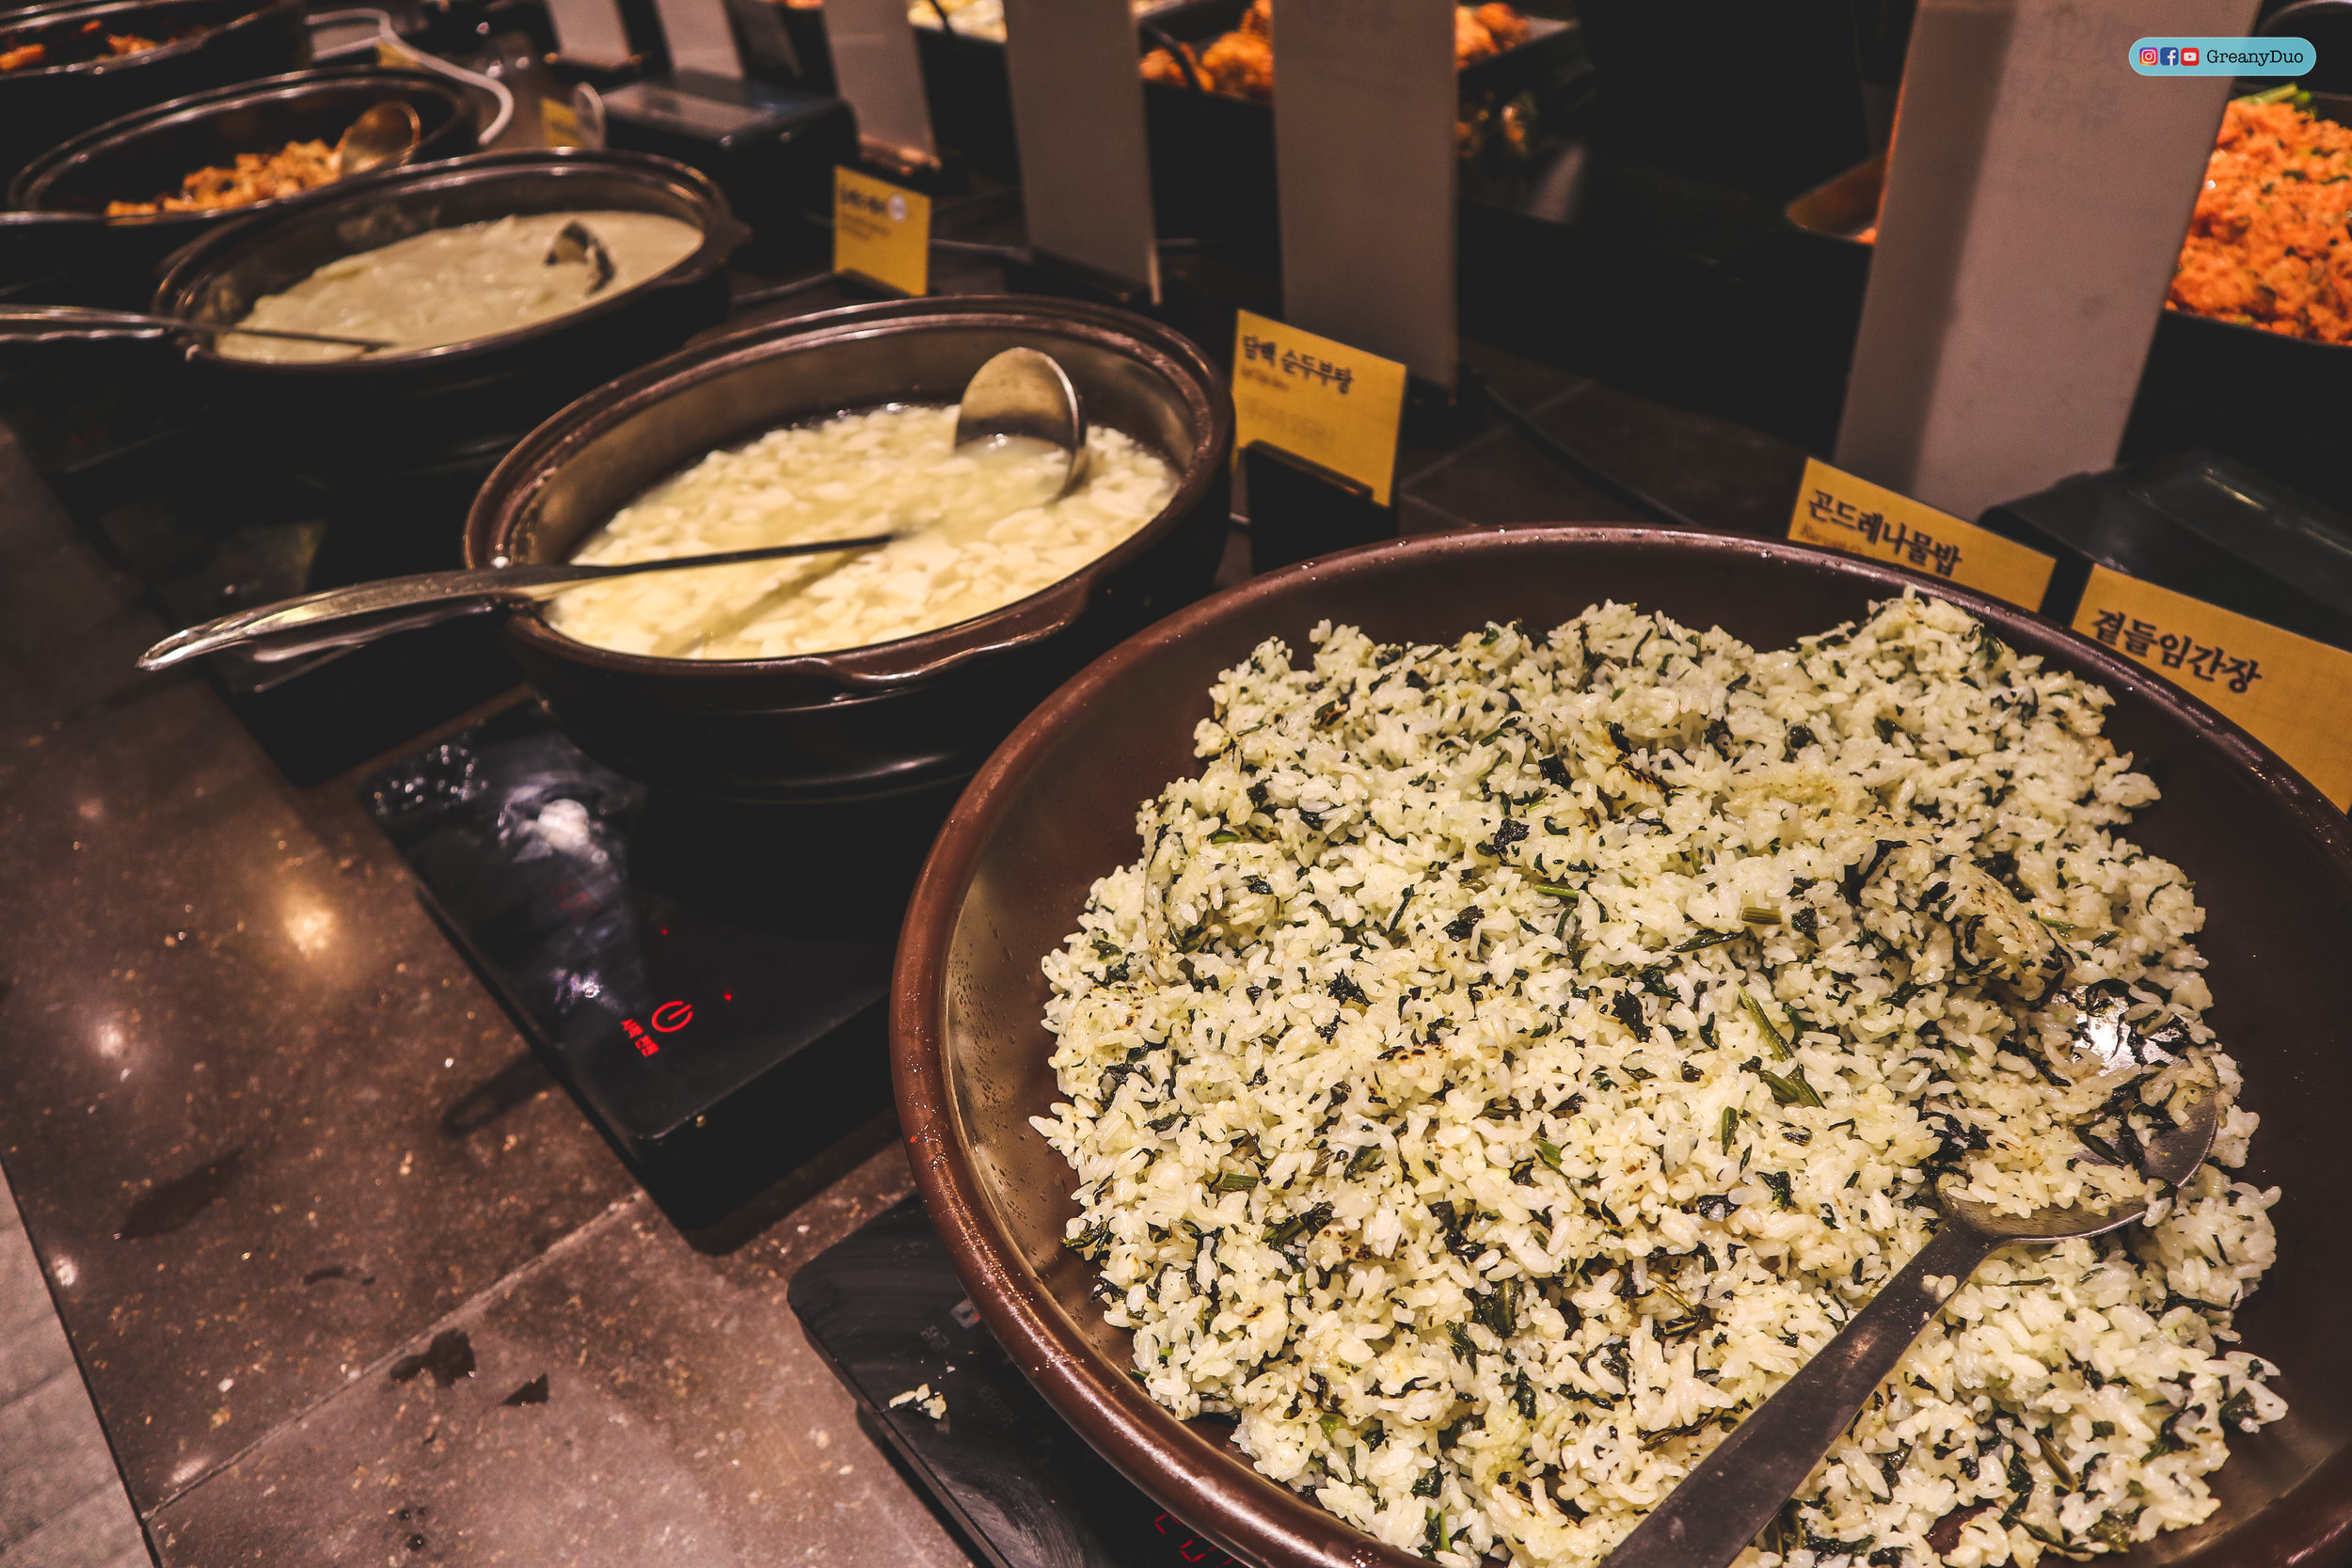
672 1016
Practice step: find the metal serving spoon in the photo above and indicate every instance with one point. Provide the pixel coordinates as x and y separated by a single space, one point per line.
576 242
344 617
384 133
50 323
1023 394
1732 1493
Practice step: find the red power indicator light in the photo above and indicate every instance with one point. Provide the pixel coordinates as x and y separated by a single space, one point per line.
726 996
672 1016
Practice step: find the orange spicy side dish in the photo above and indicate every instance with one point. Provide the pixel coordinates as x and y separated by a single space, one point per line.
2268 246
76 49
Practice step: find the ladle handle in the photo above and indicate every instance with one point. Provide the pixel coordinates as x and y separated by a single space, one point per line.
53 324
344 617
1733 1493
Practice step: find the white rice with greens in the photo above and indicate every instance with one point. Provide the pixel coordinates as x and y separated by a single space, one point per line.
1508 1062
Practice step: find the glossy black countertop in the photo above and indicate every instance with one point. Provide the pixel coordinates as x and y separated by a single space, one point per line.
350 1280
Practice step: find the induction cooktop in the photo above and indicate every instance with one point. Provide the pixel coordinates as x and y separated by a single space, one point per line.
708 980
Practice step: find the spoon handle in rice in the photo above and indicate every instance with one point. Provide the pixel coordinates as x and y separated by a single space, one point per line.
1733 1493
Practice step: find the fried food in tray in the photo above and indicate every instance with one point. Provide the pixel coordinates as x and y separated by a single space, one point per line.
1241 63
298 167
91 43
2268 245
972 19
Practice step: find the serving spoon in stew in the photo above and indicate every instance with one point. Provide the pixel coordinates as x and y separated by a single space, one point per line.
1024 395
1732 1493
384 133
1011 397
577 242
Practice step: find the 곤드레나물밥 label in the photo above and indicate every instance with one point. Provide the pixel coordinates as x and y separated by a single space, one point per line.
1839 511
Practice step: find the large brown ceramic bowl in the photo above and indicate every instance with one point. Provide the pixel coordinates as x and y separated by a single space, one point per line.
1055 807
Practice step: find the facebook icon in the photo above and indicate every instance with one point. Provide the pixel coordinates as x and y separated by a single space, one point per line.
2167 57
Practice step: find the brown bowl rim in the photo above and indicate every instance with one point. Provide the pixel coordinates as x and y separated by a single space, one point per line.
506 495
1202 1482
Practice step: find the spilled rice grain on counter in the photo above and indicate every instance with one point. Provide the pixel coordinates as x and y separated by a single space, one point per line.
1508 1062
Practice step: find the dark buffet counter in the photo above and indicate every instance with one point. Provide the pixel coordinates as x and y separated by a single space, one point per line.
340 1261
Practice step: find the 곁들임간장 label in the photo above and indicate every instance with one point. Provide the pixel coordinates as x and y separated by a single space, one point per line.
2287 692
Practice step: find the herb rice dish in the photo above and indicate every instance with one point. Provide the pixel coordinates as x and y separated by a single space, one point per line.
1508 1063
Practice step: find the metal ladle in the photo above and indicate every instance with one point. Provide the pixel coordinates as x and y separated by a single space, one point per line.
51 324
1020 394
1733 1493
345 617
576 242
1023 394
384 133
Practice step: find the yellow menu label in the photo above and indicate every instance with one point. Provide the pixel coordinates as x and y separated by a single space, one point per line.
1316 399
882 233
2287 692
560 122
1841 513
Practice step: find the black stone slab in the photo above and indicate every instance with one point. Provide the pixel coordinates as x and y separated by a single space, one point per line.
885 1310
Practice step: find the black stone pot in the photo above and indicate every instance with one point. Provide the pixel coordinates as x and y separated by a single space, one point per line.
895 717
60 229
206 44
341 420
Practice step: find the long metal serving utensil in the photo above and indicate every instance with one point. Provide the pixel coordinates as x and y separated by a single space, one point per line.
1733 1493
45 324
342 617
